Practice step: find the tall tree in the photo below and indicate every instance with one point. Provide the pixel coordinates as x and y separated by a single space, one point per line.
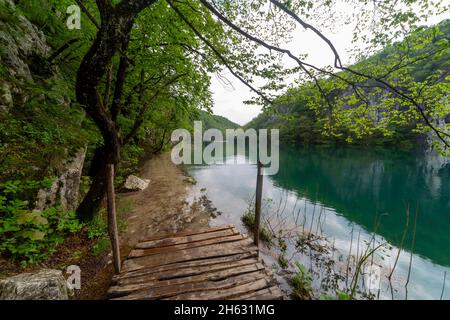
139 40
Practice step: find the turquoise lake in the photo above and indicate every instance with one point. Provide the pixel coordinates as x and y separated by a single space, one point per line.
354 187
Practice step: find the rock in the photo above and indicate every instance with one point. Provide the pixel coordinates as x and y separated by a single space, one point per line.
20 42
6 99
190 180
135 183
46 284
65 189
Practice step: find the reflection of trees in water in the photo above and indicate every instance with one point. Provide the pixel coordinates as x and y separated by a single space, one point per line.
361 183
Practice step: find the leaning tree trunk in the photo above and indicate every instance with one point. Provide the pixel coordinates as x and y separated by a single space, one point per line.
113 33
97 191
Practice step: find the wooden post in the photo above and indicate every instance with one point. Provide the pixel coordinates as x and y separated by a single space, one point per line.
112 219
258 198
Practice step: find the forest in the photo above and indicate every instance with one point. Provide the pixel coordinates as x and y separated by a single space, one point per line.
86 86
303 120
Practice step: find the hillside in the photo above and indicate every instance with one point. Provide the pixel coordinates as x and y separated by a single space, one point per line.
212 121
304 117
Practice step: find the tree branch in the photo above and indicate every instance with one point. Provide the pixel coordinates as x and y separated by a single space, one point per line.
88 14
218 54
338 64
140 117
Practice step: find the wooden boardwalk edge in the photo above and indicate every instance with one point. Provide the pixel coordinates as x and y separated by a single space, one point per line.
212 263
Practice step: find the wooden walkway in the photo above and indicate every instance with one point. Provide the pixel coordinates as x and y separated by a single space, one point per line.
214 263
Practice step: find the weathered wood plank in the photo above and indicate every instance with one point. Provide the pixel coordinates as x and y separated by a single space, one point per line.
188 264
213 263
185 272
215 276
225 293
216 250
202 288
174 240
185 233
147 252
272 293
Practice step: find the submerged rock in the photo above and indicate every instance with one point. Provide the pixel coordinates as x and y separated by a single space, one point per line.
134 183
190 180
46 284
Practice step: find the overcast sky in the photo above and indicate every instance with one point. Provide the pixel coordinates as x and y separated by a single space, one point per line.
228 101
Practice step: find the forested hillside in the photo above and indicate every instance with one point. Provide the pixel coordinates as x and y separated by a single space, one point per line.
51 150
212 121
360 117
89 90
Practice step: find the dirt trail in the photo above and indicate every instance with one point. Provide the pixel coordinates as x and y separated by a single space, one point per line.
163 206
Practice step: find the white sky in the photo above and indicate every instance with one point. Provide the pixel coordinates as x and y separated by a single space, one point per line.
228 101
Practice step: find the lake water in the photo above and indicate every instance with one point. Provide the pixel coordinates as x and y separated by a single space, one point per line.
341 193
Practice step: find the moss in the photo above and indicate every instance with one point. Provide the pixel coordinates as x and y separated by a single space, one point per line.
264 233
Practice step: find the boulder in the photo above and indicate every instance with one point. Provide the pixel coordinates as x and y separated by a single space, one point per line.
134 183
65 189
6 99
47 284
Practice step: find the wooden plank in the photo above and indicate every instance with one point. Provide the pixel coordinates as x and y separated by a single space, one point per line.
213 263
146 252
272 293
217 250
112 217
186 239
185 272
215 276
185 233
202 288
258 198
189 264
224 293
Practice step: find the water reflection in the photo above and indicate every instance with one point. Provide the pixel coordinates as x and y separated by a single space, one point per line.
353 187
361 184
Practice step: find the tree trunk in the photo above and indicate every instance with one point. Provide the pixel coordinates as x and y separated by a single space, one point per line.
97 191
113 33
93 199
112 36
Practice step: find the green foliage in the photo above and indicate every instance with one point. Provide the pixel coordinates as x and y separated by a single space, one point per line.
33 236
212 121
131 155
97 228
341 295
248 218
103 245
302 282
369 113
282 261
43 116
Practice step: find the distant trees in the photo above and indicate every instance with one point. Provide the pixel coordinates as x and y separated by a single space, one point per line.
367 111
155 54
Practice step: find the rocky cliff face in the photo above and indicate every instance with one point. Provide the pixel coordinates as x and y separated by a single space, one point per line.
65 189
20 41
24 67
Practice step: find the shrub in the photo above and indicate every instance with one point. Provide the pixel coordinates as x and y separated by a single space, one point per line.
249 220
302 283
31 236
